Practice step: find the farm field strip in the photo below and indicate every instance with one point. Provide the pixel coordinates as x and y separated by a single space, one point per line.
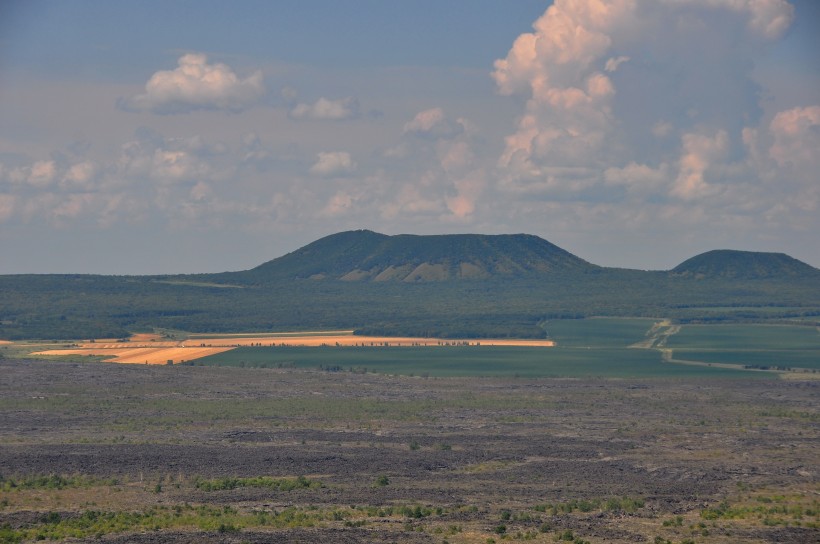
453 361
151 356
351 340
97 344
750 336
600 345
315 341
770 359
160 352
346 332
790 348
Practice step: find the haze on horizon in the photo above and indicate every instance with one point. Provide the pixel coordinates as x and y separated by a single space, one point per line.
173 137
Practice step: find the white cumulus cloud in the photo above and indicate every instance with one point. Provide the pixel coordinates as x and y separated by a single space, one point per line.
333 163
627 88
7 206
79 176
425 121
700 151
768 18
197 84
613 63
326 109
433 123
339 204
637 176
797 138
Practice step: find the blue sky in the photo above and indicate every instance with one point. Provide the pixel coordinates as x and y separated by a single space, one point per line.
356 33
162 137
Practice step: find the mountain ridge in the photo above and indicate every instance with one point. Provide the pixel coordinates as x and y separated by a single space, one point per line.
367 256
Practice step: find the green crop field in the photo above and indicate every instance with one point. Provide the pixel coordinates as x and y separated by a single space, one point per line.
448 361
753 345
598 332
772 359
747 337
585 347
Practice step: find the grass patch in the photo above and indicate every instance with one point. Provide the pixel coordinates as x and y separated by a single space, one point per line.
53 481
611 504
785 510
276 484
95 523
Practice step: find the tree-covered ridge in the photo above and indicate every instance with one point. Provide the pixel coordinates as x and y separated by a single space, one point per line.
728 263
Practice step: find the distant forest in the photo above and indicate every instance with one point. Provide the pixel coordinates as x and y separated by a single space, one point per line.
83 306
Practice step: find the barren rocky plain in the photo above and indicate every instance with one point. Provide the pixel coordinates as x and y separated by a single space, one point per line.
95 452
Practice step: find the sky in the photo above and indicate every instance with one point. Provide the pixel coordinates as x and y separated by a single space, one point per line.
160 137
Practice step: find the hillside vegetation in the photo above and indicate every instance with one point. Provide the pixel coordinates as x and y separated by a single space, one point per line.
369 256
726 263
446 286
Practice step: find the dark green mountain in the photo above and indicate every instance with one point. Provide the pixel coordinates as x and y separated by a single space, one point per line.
732 264
363 255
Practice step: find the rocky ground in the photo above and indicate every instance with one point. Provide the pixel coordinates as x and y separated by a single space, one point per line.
402 459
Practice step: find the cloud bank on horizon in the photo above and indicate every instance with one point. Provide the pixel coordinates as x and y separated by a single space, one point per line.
631 132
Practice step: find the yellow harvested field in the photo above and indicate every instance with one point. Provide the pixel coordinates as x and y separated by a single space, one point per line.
4 342
350 340
148 349
514 342
101 344
151 356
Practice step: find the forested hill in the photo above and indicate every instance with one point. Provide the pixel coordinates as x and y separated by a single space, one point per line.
364 255
727 263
